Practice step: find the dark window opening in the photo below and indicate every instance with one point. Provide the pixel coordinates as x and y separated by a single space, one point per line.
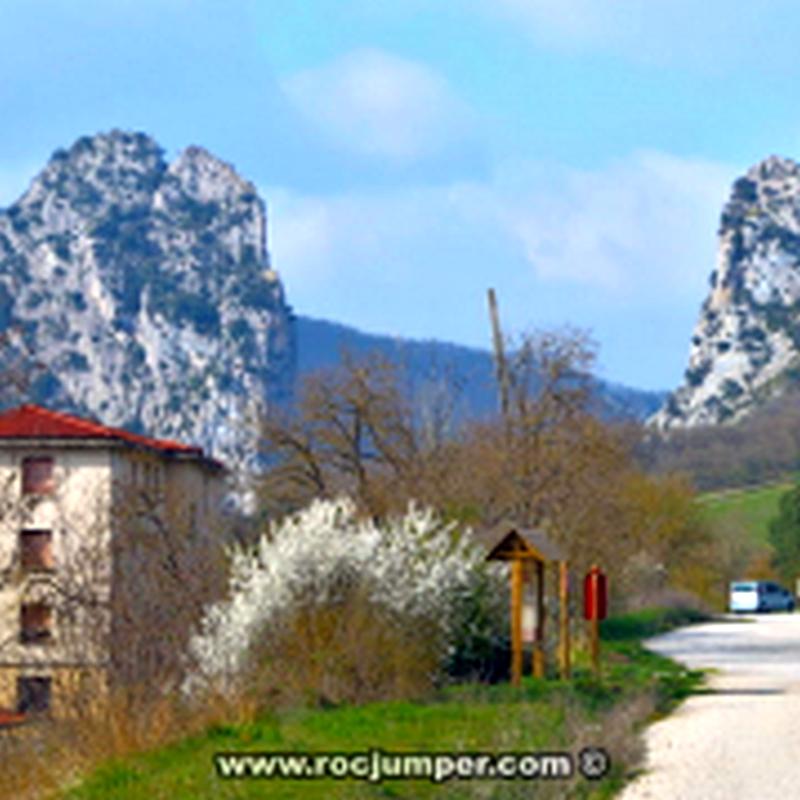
36 623
37 476
36 550
33 695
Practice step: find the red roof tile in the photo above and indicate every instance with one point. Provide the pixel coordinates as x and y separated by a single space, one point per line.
34 422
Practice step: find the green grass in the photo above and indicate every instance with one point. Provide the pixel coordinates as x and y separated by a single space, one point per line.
541 715
647 622
750 508
461 721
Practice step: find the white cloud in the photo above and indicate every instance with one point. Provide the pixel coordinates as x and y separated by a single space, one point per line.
300 235
568 21
639 233
317 242
644 224
379 104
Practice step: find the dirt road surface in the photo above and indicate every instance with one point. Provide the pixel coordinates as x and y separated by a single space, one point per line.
741 740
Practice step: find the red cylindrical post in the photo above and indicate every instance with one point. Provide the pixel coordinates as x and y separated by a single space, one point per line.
595 608
595 594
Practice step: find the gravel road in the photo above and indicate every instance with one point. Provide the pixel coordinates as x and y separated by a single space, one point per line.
742 739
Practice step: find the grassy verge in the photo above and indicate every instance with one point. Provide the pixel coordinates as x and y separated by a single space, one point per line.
670 682
543 715
648 622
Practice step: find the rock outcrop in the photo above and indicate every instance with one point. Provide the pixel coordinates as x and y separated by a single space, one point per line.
746 344
143 291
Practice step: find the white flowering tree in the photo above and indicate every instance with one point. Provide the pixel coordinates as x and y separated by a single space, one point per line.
414 566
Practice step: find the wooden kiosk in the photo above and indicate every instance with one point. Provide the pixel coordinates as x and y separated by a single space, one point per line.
531 553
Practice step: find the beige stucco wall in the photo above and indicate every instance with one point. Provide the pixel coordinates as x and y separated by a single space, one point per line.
77 512
97 540
167 553
186 493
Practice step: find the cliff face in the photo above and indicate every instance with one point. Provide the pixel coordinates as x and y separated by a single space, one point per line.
746 344
143 289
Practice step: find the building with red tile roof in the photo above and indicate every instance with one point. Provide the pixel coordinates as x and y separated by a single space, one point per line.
110 519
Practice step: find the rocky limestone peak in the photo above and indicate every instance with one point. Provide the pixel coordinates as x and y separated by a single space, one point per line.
773 169
145 289
746 344
199 185
207 178
121 168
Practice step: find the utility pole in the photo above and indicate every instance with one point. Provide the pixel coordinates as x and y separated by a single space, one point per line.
500 362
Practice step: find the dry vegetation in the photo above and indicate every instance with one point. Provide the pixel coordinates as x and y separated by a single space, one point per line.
44 757
762 447
347 651
547 463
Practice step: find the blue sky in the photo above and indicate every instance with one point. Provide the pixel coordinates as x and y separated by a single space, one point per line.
574 154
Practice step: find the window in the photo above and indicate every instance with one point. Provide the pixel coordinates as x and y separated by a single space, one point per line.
36 550
33 694
36 623
37 476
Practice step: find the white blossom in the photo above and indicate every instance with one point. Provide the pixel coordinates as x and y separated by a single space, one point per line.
414 565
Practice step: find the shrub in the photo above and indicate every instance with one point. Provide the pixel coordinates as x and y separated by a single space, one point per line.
731 389
350 649
696 375
413 573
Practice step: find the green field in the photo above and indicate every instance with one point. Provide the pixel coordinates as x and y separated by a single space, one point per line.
542 715
750 508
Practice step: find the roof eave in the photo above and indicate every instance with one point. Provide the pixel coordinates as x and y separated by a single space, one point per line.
101 443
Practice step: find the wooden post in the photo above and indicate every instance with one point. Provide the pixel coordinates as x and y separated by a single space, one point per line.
516 620
538 643
594 645
563 619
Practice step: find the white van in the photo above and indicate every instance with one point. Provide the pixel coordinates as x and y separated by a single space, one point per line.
754 596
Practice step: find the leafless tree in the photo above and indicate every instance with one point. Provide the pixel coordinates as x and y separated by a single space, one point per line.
352 429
